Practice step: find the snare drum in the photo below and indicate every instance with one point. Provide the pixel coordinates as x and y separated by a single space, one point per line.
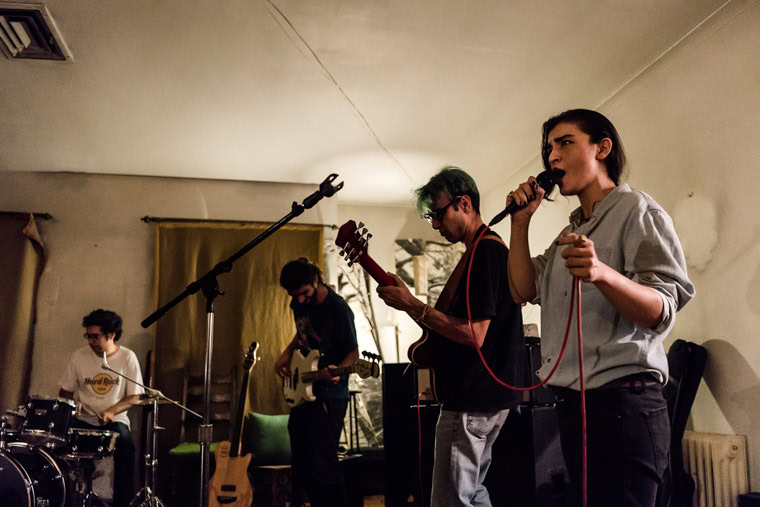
30 477
47 421
92 444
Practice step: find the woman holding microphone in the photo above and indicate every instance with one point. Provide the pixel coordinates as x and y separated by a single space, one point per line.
622 246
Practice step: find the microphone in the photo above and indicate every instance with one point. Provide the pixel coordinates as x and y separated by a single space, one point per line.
104 364
546 180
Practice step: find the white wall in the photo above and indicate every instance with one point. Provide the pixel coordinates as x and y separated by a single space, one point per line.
101 255
689 126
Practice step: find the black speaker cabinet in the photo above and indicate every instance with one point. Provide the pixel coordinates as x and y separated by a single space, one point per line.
400 435
527 467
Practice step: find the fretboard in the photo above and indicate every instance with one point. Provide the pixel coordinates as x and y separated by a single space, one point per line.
312 376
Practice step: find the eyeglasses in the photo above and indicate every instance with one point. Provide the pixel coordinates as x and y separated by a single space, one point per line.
438 214
93 336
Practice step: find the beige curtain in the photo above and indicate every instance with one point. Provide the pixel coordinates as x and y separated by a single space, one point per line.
22 259
253 308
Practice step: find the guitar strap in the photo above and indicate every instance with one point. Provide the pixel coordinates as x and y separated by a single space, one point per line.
447 294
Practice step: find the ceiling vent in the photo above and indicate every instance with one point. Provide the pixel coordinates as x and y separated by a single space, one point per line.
27 31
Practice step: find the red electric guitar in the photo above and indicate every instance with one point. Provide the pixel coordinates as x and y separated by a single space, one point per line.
353 240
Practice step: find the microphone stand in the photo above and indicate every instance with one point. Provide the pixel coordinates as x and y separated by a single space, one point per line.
210 288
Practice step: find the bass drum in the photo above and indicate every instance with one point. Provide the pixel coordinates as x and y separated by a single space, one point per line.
30 477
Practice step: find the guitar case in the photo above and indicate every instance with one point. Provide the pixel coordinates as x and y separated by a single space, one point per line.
686 362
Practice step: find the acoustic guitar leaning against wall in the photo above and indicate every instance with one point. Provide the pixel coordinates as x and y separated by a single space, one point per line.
230 485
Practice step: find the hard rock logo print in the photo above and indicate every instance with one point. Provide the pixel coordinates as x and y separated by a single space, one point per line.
102 383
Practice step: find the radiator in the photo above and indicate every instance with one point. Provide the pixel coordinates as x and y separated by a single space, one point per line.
718 465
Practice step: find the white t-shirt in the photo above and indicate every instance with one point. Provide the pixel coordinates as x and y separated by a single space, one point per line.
101 389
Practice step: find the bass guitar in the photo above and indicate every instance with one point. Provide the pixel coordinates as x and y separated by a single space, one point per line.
425 353
297 387
230 485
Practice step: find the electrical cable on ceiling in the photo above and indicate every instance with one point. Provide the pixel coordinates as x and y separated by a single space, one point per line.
332 79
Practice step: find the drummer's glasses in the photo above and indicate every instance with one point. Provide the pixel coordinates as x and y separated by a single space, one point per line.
93 336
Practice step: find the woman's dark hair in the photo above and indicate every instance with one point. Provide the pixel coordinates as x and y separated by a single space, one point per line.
597 126
298 273
108 321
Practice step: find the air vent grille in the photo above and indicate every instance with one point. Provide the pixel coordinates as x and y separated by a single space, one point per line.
28 32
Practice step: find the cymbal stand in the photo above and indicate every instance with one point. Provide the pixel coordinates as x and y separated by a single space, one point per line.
147 497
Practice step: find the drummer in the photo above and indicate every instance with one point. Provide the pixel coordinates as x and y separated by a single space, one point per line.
104 396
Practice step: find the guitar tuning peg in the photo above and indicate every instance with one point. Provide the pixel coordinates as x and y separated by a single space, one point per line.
361 224
342 253
350 263
369 236
365 231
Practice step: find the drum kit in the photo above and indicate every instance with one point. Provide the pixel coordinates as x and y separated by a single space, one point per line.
45 462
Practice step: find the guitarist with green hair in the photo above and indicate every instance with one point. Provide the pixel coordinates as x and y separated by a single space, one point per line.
474 406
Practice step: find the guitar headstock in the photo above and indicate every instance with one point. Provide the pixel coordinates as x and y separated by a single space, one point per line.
353 239
250 357
366 369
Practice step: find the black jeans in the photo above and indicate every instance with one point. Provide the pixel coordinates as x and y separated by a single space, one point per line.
314 429
628 432
123 460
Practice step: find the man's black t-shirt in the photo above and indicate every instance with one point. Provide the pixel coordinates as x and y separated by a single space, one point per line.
466 386
329 328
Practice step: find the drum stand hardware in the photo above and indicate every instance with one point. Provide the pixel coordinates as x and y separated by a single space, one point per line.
146 497
83 495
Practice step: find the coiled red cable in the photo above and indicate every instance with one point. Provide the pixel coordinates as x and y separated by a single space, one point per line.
575 295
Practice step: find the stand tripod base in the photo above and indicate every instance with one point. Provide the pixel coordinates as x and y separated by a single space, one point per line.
146 498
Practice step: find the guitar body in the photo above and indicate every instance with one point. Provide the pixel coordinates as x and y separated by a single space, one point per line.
230 485
297 387
425 353
294 389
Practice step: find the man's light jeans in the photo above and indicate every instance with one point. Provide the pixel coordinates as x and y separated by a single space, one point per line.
463 443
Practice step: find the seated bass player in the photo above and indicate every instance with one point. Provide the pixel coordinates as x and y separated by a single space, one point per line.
324 322
473 405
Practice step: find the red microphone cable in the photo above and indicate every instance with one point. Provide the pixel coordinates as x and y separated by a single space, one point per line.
575 293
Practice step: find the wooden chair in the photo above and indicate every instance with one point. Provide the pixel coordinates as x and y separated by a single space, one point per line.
223 391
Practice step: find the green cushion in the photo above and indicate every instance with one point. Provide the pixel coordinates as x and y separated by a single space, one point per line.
267 439
190 449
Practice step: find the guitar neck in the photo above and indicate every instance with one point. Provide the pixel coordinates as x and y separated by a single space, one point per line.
235 449
375 271
312 376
